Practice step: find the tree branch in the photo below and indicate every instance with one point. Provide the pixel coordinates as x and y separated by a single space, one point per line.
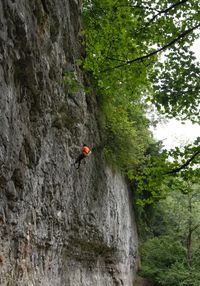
178 38
165 11
158 14
178 169
114 59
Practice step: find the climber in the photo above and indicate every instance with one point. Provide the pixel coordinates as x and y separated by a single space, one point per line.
85 152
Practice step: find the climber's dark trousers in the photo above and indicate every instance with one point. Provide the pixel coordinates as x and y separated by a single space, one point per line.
78 160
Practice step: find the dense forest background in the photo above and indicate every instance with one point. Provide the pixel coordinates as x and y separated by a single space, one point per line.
138 56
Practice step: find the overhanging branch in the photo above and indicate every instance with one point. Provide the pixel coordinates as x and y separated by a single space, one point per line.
178 169
165 11
171 43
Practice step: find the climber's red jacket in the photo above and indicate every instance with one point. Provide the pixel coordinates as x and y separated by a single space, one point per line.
86 150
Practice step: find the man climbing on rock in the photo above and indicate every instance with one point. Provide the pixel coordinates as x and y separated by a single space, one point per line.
85 153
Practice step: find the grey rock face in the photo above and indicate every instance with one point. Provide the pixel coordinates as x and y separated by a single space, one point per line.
58 225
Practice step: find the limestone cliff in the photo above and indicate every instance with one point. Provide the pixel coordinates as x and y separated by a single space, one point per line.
58 226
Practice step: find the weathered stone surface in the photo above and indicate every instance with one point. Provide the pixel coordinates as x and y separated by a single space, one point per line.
58 225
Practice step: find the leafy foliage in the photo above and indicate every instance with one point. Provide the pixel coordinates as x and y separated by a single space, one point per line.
123 44
179 97
164 170
171 256
124 124
124 41
123 49
126 134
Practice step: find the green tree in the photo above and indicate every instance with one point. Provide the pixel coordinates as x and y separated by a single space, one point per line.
123 120
138 52
170 254
165 170
123 56
123 46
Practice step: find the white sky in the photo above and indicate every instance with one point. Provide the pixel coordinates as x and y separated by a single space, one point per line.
174 133
196 48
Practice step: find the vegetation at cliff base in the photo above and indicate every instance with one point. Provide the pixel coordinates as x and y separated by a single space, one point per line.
138 54
170 251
